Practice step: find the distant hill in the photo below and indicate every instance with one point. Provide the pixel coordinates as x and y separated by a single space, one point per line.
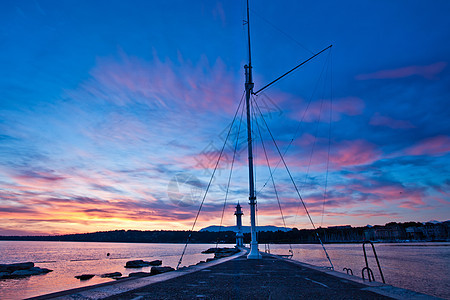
245 229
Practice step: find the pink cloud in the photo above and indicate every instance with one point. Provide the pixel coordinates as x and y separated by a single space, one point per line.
438 145
379 120
162 84
383 193
343 154
350 106
356 152
428 72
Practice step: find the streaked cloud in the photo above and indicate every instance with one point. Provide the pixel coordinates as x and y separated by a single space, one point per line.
428 72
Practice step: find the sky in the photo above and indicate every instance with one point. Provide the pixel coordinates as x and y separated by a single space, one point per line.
113 113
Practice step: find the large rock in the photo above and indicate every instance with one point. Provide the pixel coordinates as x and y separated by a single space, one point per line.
111 275
155 262
159 270
222 252
140 263
84 276
29 272
14 267
139 274
24 273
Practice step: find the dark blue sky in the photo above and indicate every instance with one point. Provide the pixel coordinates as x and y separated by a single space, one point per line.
103 104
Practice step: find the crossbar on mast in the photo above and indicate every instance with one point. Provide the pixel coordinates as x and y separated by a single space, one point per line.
291 70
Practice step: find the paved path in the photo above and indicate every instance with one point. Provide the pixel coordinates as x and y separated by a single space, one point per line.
269 278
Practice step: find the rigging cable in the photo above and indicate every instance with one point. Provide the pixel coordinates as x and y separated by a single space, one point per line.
271 176
295 186
299 125
209 184
229 177
316 130
255 155
329 137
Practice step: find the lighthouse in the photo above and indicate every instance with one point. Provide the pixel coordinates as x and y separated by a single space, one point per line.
239 235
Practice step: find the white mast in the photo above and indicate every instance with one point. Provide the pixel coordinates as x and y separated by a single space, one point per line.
254 252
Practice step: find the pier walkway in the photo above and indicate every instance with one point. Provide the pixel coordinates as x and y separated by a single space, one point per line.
238 278
269 278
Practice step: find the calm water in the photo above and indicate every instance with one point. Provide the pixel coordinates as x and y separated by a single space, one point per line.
419 267
68 259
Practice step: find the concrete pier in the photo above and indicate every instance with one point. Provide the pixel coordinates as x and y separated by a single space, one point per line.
239 278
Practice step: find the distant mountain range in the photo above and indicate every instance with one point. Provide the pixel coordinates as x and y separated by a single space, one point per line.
245 229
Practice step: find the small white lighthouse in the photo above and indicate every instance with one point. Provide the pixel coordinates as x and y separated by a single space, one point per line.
239 235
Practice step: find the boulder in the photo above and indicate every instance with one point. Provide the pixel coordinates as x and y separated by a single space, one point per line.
155 262
84 276
221 252
135 264
110 275
139 274
14 267
30 271
45 270
140 263
24 273
159 270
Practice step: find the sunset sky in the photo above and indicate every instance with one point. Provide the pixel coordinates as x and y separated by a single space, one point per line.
106 105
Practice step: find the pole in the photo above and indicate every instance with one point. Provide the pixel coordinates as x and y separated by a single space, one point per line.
254 252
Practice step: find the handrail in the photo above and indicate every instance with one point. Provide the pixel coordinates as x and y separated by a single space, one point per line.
367 263
348 270
369 274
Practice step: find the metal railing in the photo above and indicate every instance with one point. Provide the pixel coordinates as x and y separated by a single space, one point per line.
369 270
348 270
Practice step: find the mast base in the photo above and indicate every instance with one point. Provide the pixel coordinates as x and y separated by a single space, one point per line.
254 252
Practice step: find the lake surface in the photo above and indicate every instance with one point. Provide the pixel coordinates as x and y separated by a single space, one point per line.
420 267
68 259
